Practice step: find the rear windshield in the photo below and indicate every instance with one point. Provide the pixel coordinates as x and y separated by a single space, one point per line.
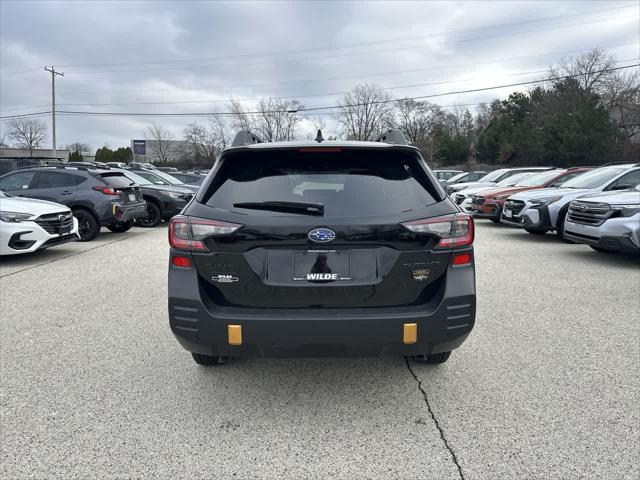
117 180
348 182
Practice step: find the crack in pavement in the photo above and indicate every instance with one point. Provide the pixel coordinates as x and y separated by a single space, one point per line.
77 253
435 420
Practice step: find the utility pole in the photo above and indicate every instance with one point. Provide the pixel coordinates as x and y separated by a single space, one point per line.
53 104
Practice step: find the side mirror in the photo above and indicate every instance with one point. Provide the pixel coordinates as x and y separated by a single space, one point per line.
158 182
637 187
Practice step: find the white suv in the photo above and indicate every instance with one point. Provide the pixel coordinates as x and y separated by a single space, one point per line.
27 225
544 210
608 222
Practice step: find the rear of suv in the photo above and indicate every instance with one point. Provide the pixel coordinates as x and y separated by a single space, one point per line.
321 249
96 197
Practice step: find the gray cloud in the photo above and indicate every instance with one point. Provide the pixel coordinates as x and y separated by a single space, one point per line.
126 56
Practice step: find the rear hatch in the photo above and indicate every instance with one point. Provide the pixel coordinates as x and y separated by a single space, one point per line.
128 191
320 228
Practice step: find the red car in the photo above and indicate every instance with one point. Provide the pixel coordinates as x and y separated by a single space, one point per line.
488 203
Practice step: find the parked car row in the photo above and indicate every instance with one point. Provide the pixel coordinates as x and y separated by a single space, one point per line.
599 207
45 206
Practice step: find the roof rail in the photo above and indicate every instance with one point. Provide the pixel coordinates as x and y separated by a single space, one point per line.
245 137
392 136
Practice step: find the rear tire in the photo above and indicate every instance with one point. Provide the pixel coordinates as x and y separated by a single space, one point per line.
433 358
152 218
535 231
120 227
88 226
208 360
601 250
495 220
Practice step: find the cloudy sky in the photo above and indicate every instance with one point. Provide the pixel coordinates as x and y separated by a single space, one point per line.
191 57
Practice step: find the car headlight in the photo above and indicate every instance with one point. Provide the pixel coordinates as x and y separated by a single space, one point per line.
537 202
175 195
14 217
627 210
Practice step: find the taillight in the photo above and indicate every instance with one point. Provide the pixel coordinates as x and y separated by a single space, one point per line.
106 190
188 233
454 230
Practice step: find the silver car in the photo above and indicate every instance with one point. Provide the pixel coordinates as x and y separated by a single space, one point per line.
544 210
607 222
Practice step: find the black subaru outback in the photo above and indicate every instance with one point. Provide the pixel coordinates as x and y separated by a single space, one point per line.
321 249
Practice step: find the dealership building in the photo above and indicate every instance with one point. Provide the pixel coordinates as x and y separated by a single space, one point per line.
149 151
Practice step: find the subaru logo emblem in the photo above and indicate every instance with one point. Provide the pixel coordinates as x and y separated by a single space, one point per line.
583 207
321 235
64 216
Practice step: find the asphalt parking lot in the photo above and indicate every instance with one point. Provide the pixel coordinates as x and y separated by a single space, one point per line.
93 383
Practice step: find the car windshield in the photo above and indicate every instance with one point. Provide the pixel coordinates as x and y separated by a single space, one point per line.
595 178
137 178
493 176
539 179
513 179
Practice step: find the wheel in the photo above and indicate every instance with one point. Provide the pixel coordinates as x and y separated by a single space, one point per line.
495 220
208 360
560 228
152 218
88 226
120 227
601 250
535 232
432 358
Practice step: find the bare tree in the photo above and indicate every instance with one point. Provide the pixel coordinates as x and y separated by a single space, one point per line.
29 133
364 112
589 69
240 120
161 144
277 120
417 121
3 138
206 142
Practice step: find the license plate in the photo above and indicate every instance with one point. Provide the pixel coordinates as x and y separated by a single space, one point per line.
508 213
321 265
132 197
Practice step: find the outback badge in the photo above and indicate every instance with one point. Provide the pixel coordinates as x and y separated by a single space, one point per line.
421 274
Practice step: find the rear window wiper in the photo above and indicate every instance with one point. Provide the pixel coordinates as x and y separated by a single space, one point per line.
305 208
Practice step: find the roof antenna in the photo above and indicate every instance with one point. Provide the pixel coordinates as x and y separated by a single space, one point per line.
319 137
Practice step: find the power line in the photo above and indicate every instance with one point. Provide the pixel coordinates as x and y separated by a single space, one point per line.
446 67
333 107
329 107
288 97
351 45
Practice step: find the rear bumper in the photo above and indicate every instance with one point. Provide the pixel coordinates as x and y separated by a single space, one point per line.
362 332
121 212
